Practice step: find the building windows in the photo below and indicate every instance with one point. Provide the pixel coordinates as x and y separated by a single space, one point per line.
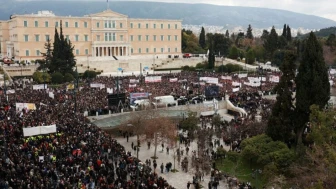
76 24
139 25
26 38
132 50
98 37
25 23
76 37
131 37
175 37
121 37
139 37
37 52
67 37
77 51
168 37
147 50
37 38
113 24
154 50
168 26
106 37
86 38
47 37
113 37
109 24
175 26
85 24
36 23
175 49
154 37
110 36
27 52
46 24
97 24
162 37
169 50
139 50
154 26
161 26
162 50
86 51
131 25
66 24
121 25
147 37
146 26
56 24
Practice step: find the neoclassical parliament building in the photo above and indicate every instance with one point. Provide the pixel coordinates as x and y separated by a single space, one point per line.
102 36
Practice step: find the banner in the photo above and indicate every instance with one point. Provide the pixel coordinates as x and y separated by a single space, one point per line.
212 80
40 86
137 96
219 84
173 80
235 89
109 90
70 86
10 91
152 79
252 84
257 79
134 81
39 130
183 81
242 75
236 84
97 85
274 79
28 106
227 77
51 95
132 85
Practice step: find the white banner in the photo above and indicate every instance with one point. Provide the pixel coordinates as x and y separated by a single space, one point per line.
109 90
40 86
236 84
219 84
242 75
235 89
152 79
28 106
212 80
134 81
10 91
39 130
132 85
96 85
173 80
227 77
256 78
51 95
274 78
252 84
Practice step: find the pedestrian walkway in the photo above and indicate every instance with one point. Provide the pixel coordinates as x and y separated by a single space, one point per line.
179 179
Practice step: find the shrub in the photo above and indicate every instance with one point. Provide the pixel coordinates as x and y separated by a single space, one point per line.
68 77
57 78
89 74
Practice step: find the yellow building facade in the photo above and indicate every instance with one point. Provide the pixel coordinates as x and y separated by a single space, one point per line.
102 36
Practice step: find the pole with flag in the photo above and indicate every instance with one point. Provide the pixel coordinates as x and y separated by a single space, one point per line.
108 6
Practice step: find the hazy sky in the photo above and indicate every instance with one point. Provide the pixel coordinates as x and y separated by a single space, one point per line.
323 8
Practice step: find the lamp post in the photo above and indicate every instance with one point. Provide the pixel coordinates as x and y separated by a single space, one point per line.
75 88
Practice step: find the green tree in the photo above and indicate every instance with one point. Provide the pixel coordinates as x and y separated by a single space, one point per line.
284 31
249 33
202 42
89 74
227 34
250 57
280 123
282 42
264 35
57 78
219 43
234 52
289 34
211 59
46 63
189 123
41 77
68 77
271 43
312 84
331 41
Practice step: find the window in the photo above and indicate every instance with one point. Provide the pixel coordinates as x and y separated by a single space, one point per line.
146 26
161 26
131 37
154 50
76 24
175 49
106 37
109 24
46 24
97 24
162 37
106 25
131 25
25 23
113 37
147 37
147 50
121 38
86 51
37 52
175 37
56 24
36 23
168 26
139 50
131 50
139 37
26 38
77 51
113 24
47 37
168 37
121 25
175 26
169 50
67 37
85 25
162 50
154 37
86 37
66 24
76 37
154 26
27 52
139 25
37 38
98 37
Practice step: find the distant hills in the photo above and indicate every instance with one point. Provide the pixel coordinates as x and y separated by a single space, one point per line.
193 14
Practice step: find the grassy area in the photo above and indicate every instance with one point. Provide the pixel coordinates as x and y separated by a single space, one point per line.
241 170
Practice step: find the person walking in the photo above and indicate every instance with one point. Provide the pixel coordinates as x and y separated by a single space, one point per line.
162 167
188 185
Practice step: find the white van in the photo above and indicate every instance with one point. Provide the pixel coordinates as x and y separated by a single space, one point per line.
164 101
140 103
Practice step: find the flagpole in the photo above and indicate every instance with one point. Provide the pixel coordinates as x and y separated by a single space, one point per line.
108 6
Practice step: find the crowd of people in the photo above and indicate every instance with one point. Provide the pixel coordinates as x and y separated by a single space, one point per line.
79 154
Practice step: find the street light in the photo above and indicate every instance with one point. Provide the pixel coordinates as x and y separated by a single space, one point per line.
75 87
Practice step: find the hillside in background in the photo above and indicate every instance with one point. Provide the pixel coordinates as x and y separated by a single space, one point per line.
193 14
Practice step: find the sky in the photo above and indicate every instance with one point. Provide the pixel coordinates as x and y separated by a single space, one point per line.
322 8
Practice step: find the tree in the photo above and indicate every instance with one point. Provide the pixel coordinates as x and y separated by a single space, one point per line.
68 77
190 122
280 124
331 41
264 35
41 77
227 34
219 43
284 31
202 38
234 53
250 56
271 43
57 78
89 74
211 59
312 84
47 56
289 34
249 33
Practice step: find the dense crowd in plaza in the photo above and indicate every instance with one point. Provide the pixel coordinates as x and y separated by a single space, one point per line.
80 154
